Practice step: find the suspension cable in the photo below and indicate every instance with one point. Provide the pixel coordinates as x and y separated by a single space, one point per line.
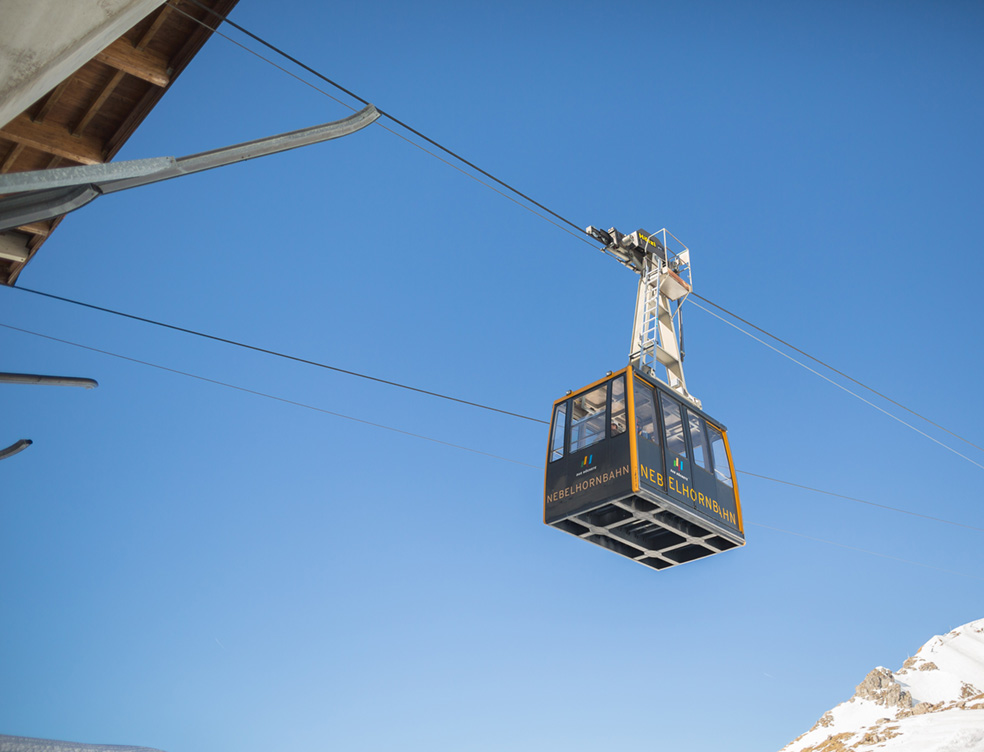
277 354
426 392
307 406
861 501
867 551
355 96
579 234
835 370
842 387
578 231
268 396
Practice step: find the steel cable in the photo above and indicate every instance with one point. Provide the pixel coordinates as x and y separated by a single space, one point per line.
325 411
579 232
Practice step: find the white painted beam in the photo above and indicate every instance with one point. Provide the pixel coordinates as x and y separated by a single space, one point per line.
13 247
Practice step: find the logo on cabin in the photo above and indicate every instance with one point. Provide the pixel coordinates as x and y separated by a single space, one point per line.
586 466
679 469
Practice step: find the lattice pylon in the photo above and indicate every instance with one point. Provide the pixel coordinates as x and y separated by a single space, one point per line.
654 335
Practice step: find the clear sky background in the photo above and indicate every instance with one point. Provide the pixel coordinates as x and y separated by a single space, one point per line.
195 568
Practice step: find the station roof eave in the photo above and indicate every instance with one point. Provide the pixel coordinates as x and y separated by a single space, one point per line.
89 115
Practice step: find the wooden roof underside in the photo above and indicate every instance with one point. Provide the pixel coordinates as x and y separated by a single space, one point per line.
87 118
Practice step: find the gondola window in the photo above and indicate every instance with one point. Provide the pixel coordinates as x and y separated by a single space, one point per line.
618 406
645 410
697 440
676 441
588 413
559 427
722 469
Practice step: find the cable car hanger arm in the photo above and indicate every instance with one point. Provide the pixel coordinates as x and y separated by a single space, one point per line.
665 281
46 194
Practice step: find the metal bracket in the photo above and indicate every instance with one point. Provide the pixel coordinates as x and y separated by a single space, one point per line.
39 379
34 378
46 194
62 177
15 448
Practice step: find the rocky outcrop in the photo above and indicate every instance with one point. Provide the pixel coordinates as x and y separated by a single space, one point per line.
881 688
933 702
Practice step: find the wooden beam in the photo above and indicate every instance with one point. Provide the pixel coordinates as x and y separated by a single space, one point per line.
33 243
118 76
137 113
51 99
37 228
53 139
143 64
100 101
11 157
178 61
154 27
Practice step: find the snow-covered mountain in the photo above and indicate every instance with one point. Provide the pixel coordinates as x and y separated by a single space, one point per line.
934 703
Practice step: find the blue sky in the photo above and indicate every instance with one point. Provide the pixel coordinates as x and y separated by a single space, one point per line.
190 567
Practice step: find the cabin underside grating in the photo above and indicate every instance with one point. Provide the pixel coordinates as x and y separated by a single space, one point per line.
646 532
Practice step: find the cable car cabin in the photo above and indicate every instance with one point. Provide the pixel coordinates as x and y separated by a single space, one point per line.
636 469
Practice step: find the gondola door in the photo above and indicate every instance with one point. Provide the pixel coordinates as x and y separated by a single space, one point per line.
679 481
